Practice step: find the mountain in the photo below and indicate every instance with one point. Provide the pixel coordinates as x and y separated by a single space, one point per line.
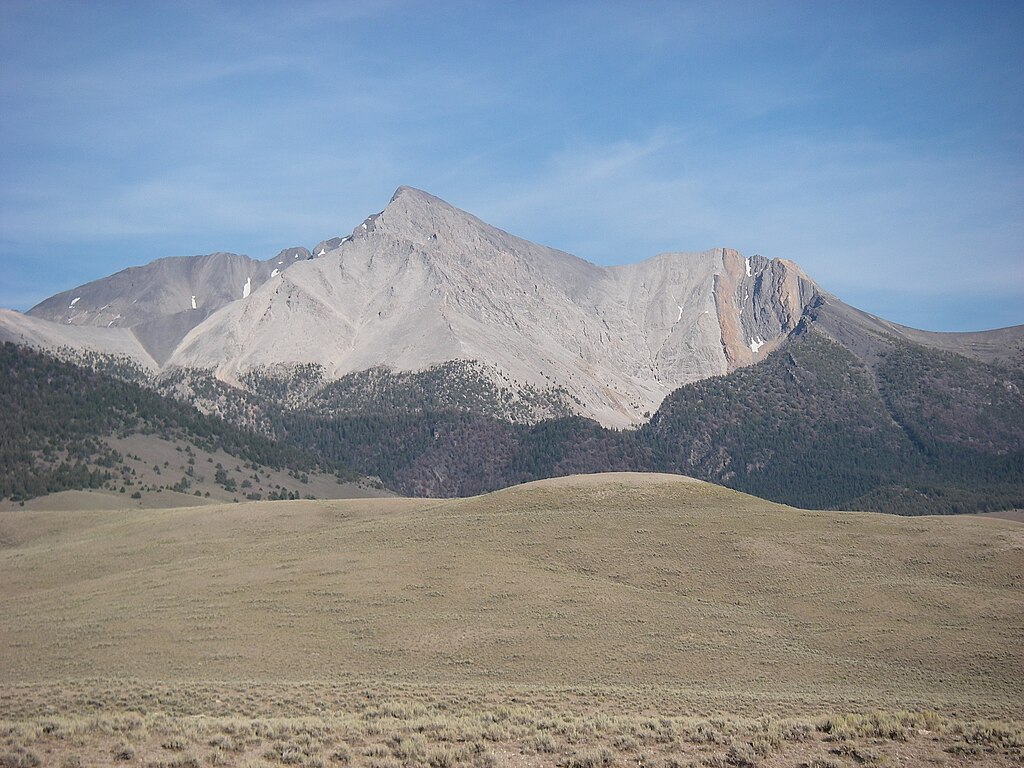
65 426
451 358
422 284
165 299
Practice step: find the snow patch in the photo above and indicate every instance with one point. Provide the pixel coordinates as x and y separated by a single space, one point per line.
275 273
748 267
322 252
280 262
247 288
346 238
74 301
194 303
756 344
363 226
680 317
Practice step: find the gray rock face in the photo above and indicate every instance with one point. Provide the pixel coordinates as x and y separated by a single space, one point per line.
423 283
43 334
165 299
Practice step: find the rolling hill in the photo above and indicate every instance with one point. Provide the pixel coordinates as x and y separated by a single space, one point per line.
533 625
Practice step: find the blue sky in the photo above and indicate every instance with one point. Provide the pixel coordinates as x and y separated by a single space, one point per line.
879 145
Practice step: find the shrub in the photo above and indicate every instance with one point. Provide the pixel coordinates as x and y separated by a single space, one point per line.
742 755
123 751
593 758
542 743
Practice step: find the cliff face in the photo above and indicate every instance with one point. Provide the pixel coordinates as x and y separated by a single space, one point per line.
759 303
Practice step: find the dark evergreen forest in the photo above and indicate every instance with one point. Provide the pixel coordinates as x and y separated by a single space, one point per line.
919 432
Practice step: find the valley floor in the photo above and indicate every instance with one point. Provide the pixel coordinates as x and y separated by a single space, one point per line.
592 621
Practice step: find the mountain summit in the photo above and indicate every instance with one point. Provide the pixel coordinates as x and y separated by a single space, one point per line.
422 284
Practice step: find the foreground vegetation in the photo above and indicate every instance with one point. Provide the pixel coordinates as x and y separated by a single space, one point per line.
319 725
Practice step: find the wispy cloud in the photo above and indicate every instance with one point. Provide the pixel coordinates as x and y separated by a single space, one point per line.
882 153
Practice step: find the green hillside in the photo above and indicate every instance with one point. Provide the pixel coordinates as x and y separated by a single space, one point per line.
924 432
916 432
58 420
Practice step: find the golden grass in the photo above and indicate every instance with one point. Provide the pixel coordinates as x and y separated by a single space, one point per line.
595 605
418 728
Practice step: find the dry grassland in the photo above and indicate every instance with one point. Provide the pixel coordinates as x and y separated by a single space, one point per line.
596 621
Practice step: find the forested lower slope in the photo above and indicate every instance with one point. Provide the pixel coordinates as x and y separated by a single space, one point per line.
56 414
917 431
922 432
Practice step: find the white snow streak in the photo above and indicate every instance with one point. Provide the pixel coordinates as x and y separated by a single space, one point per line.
748 267
247 288
322 252
275 273
74 301
680 312
756 345
194 303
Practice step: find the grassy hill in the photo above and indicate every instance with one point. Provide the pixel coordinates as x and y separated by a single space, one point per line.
616 596
599 580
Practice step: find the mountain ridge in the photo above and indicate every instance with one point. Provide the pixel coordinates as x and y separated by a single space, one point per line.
423 283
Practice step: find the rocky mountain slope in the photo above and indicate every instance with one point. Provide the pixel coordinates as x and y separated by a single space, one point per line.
451 358
422 284
163 300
